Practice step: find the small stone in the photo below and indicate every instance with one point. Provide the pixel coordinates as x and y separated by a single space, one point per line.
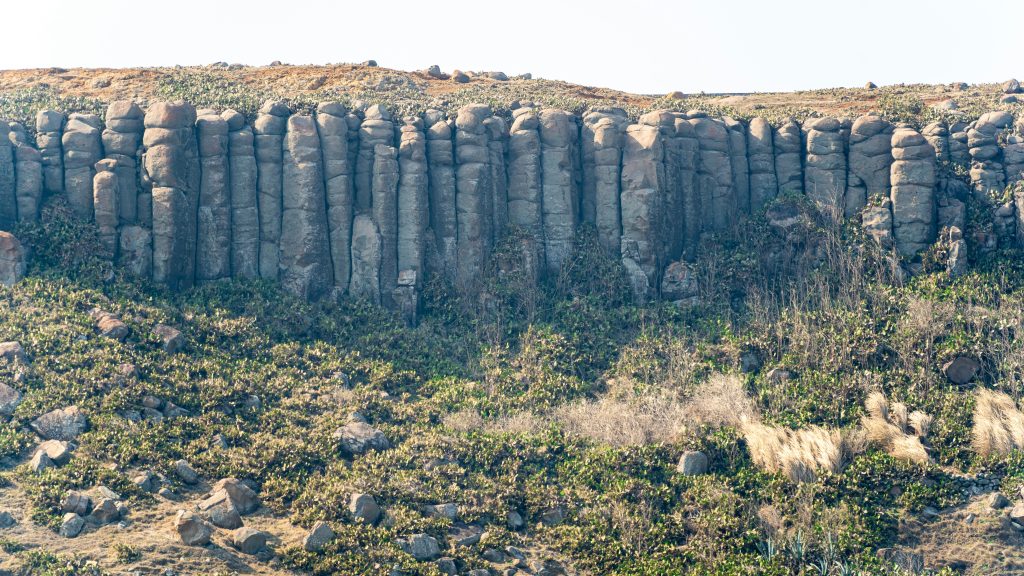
359 438
61 424
193 530
318 537
58 451
243 497
185 472
104 492
970 519
446 565
218 441
997 501
171 338
221 511
447 510
172 410
479 572
515 553
494 556
961 370
71 525
1017 513
109 325
421 547
147 481
105 511
459 77
76 502
249 540
149 401
364 508
9 399
870 86
515 521
6 520
167 494
692 463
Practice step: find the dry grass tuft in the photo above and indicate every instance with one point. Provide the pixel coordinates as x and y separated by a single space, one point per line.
630 421
998 424
893 428
720 401
799 454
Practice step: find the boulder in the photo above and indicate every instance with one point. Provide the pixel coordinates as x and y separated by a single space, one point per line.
422 547
679 283
76 502
242 496
961 369
105 511
13 353
171 339
359 437
13 259
71 525
692 463
39 462
109 325
58 451
7 520
9 399
219 509
364 508
249 540
193 530
185 472
1011 86
60 424
319 536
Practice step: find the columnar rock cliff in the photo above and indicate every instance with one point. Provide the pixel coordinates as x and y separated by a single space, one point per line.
357 202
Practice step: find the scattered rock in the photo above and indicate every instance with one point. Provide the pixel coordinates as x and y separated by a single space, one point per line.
242 496
185 472
171 338
76 502
359 438
12 352
997 501
109 325
434 71
692 463
172 410
193 530
58 451
370 63
492 555
515 521
499 76
61 424
316 83
1017 513
221 511
6 520
1011 86
147 481
679 283
420 546
12 259
447 510
447 565
167 494
459 77
105 511
39 462
249 540
364 508
961 370
9 399
71 525
318 537
462 535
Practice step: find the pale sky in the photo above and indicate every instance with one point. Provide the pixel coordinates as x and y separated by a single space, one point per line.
645 46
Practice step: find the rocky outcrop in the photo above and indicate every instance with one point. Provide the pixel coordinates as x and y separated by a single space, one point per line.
49 132
764 185
603 134
106 204
306 267
912 176
559 206
376 129
332 126
213 226
413 208
269 129
472 178
28 175
788 157
443 214
715 174
82 149
524 175
825 166
384 186
122 141
987 175
13 263
869 162
642 178
245 215
366 247
738 159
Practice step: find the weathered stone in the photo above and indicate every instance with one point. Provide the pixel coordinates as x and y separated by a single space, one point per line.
869 162
171 339
738 160
8 197
366 257
13 352
122 140
71 525
473 187
104 511
679 283
147 481
377 129
524 175
359 438
422 547
242 176
13 260
497 201
448 510
692 463
788 157
7 520
364 508
9 399
136 250
213 225
961 369
602 143
243 497
82 149
249 540
106 204
219 509
558 186
412 199
58 451
61 424
641 202
192 529
877 223
49 132
318 537
76 502
384 186
39 462
306 267
269 129
28 175
715 174
825 165
332 127
443 215
109 325
912 175
764 185
185 472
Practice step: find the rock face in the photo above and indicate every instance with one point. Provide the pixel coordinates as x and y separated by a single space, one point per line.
641 180
49 132
28 172
788 170
306 267
332 127
764 185
12 259
82 149
912 176
603 134
171 165
8 199
825 165
245 216
559 206
443 215
213 226
413 210
269 129
869 162
122 141
472 188
715 175
366 255
987 176
384 186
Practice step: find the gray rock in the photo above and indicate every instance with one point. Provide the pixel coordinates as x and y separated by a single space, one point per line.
332 127
76 502
384 192
642 179
692 463
9 399
213 227
825 165
171 339
364 508
82 147
448 510
269 129
997 501
104 511
869 162
912 175
601 145
122 141
377 129
242 171
514 521
7 520
61 424
359 438
422 547
147 481
58 451
28 174
413 211
961 369
13 352
242 496
447 566
558 135
1011 86
39 462
192 529
71 525
443 216
219 509
877 223
109 325
764 184
106 204
319 536
249 540
788 158
136 250
185 472
679 283
13 259
49 133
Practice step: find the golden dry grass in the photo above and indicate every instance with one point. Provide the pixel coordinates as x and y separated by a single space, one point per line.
998 424
893 428
798 454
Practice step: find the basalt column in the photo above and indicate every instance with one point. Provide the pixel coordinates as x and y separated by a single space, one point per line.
28 176
472 180
764 185
375 130
987 175
718 210
122 139
912 175
269 130
82 149
740 167
825 169
384 187
558 199
413 211
171 163
332 125
642 189
603 132
524 176
788 163
306 268
443 216
107 204
8 196
937 134
245 215
497 132
869 162
213 254
49 130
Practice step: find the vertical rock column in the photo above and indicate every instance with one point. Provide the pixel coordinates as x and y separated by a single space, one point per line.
82 149
740 166
825 170
764 185
364 282
49 130
376 129
912 176
472 183
641 201
28 175
107 203
413 211
269 130
959 152
497 132
603 132
869 162
558 199
384 185
524 176
937 135
122 139
788 164
443 219
8 195
689 160
718 210
306 268
245 214
332 125
213 236
987 175
171 163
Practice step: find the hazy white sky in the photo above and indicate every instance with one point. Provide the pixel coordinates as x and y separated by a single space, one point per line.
649 46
